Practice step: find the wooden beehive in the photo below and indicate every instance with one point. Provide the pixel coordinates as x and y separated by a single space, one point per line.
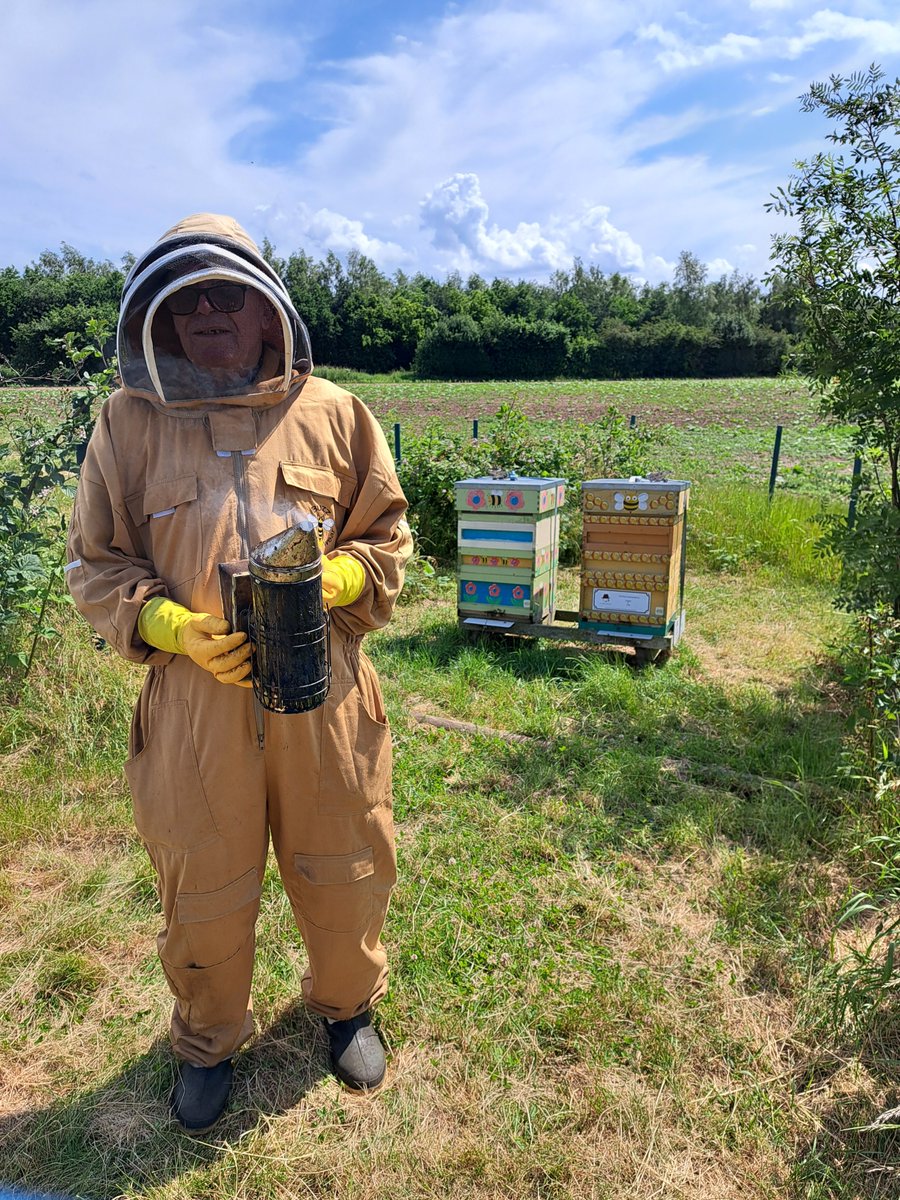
632 557
508 546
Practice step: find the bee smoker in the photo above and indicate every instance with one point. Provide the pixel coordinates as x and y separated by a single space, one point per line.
277 599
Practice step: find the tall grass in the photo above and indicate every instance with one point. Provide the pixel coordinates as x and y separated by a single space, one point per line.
734 527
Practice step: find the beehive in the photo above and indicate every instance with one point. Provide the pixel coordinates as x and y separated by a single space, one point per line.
632 558
508 546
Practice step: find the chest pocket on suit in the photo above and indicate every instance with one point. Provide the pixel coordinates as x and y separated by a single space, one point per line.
322 493
167 516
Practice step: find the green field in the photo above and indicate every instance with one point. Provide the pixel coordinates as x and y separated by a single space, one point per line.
708 429
609 940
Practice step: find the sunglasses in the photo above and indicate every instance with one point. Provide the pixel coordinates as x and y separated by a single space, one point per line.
223 297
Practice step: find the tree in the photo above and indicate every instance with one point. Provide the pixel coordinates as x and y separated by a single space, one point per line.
689 293
841 262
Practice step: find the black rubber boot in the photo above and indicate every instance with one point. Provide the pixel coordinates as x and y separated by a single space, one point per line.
357 1055
200 1094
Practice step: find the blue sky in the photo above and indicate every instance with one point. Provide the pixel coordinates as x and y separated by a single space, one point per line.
498 136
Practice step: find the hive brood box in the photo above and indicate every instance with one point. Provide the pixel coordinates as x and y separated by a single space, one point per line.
508 546
632 558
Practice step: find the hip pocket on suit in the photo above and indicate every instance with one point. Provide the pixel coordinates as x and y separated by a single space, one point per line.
355 769
170 804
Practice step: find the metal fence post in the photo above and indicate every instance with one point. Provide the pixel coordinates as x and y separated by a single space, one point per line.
776 452
397 442
475 431
854 491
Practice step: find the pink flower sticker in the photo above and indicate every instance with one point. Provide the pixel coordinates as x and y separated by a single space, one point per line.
518 593
514 499
475 498
470 588
494 590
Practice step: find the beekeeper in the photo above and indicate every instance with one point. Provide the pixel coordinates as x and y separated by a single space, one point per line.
219 438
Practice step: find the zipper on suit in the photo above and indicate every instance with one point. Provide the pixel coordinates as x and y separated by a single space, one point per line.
240 488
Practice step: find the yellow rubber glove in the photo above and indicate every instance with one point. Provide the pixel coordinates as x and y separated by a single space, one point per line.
205 639
343 579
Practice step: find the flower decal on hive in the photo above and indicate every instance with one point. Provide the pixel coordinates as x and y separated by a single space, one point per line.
475 498
493 562
470 588
494 590
514 499
560 494
545 501
475 560
518 593
512 562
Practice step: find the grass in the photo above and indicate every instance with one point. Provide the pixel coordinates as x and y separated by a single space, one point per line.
604 941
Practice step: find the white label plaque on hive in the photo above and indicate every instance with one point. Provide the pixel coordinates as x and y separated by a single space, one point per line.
624 602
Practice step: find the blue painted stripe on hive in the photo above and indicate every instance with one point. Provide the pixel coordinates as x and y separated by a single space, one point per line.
498 535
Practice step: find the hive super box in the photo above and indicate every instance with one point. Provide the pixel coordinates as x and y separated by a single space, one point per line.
632 558
508 546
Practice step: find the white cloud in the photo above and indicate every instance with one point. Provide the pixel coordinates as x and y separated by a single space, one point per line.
118 118
877 35
678 54
456 215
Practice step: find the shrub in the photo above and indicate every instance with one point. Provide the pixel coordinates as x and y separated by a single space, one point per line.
454 349
38 465
521 349
36 344
435 459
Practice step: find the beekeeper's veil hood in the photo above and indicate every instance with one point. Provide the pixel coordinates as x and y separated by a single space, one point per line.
198 250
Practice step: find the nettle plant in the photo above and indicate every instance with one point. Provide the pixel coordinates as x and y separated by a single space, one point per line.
39 461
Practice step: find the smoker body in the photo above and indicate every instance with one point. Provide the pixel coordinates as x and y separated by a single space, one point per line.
276 598
508 546
632 561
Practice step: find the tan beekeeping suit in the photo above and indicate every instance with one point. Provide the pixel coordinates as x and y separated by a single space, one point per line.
171 486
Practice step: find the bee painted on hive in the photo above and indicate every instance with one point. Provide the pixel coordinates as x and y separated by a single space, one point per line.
631 501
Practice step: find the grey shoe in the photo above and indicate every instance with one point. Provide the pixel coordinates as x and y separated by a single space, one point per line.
357 1055
200 1094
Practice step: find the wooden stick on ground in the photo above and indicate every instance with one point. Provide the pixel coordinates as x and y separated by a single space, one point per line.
481 730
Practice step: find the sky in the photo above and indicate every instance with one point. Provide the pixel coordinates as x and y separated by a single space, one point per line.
503 137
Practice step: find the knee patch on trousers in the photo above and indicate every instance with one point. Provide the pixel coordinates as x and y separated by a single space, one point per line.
334 891
214 925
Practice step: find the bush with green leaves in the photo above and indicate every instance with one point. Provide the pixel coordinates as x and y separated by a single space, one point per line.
39 460
37 343
454 349
436 459
839 263
858 986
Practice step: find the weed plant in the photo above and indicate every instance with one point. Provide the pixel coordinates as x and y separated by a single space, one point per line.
436 459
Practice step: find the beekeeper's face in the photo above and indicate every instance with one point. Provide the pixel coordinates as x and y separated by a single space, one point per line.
220 325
